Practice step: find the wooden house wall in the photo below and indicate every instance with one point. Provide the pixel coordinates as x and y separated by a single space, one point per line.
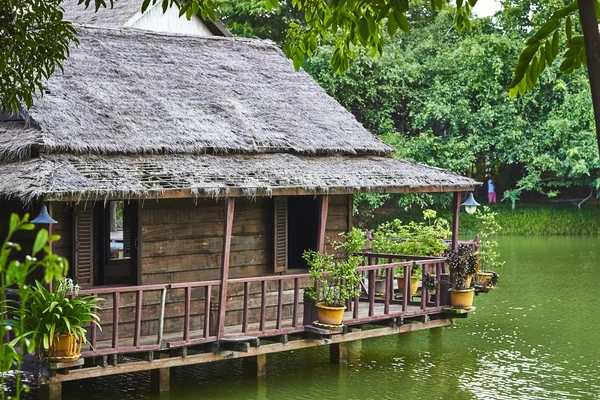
339 219
181 242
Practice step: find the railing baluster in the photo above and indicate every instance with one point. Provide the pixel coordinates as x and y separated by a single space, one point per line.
138 318
263 305
372 277
406 288
356 305
187 313
246 301
438 275
296 302
388 280
207 295
279 303
93 332
424 292
115 335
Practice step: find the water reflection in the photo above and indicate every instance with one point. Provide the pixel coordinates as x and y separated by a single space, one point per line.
533 338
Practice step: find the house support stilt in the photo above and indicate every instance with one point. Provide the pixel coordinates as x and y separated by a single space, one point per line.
338 353
160 379
50 391
255 365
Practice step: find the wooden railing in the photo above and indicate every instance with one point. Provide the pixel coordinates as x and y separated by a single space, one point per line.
117 300
397 302
133 317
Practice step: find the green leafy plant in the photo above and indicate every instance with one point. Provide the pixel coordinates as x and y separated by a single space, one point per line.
415 238
463 263
337 281
488 227
15 269
60 311
430 281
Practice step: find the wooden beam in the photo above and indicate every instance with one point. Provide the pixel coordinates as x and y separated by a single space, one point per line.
193 359
243 192
455 219
229 210
323 209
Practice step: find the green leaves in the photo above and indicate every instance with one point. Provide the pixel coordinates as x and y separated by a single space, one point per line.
530 67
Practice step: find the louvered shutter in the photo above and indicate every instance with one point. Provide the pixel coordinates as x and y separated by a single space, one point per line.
84 251
281 233
128 210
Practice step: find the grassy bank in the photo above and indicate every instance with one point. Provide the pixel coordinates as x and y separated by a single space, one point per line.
525 219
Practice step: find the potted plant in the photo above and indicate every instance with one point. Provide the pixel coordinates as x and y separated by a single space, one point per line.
415 277
463 264
57 319
430 282
337 281
488 248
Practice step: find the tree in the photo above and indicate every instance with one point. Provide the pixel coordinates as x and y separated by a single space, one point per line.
34 39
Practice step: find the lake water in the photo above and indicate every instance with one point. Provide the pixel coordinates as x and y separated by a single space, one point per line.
535 337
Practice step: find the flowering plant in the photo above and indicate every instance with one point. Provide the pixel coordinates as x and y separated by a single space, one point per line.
60 311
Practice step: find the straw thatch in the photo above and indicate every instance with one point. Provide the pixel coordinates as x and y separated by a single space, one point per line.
119 15
128 91
93 176
138 114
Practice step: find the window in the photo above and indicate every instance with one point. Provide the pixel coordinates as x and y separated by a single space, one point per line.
303 228
119 236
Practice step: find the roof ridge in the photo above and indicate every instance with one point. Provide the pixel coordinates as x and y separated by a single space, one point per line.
145 32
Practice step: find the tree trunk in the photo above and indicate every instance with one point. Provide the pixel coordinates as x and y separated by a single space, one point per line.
589 24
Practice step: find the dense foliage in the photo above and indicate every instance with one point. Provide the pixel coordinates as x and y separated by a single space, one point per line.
425 238
462 263
527 219
15 271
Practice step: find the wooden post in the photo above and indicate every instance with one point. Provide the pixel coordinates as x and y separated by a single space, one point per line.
160 379
50 391
338 353
322 223
229 210
455 219
255 365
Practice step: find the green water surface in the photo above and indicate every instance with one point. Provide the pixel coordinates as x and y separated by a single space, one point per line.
535 337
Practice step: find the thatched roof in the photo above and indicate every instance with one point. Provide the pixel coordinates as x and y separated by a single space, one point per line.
117 16
139 114
92 176
128 91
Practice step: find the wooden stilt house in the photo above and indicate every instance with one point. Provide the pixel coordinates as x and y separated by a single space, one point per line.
187 176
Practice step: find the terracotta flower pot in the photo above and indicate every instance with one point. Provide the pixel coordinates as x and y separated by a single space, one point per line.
330 315
414 285
461 298
65 348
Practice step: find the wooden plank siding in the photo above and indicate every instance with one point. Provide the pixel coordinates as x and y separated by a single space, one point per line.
338 221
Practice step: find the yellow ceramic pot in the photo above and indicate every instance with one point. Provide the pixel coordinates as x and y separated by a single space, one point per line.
65 347
461 298
484 278
330 315
414 285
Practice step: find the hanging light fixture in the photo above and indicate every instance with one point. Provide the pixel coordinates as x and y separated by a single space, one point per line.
471 205
44 217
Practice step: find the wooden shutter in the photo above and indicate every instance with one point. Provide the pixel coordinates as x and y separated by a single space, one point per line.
281 233
83 260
